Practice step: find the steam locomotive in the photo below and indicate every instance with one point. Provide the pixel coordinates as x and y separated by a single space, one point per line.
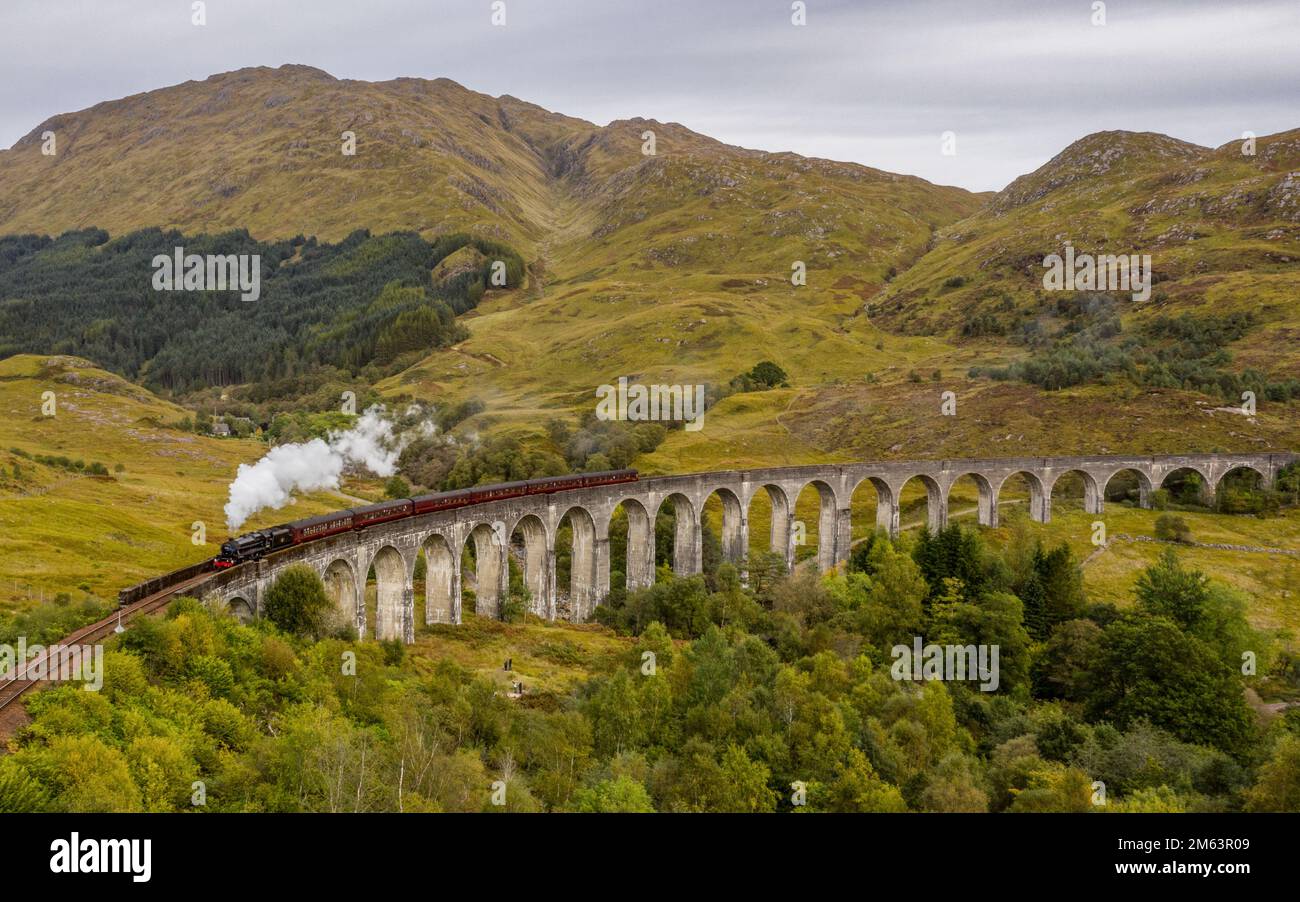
253 545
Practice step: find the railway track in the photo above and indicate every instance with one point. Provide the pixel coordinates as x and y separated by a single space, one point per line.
13 687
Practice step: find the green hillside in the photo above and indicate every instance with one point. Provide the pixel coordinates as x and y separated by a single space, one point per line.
671 267
297 306
65 529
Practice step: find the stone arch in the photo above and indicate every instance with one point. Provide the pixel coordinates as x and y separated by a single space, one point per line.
735 525
392 593
340 580
886 517
534 554
239 608
1039 510
636 556
1227 501
780 513
827 522
441 581
987 508
582 590
490 574
686 533
1207 487
1110 492
1185 468
1237 468
1091 491
861 516
936 501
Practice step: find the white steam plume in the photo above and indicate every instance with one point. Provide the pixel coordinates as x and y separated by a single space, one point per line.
313 466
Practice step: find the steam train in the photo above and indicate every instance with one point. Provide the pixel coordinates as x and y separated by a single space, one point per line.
253 545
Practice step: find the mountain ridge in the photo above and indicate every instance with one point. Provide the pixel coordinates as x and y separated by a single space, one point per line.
676 268
1222 229
267 129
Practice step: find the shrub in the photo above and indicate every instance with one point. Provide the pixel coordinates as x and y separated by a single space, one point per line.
394 651
1288 483
515 605
397 487
297 603
1172 528
769 374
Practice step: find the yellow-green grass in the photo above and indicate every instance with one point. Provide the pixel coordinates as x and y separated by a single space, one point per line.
65 533
547 357
1183 206
1271 581
901 419
435 157
283 172
858 393
544 656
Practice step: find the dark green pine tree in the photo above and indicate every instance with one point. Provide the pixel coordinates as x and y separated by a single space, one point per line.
1062 583
1034 598
952 553
971 567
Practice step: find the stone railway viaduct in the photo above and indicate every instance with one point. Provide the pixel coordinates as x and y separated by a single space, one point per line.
392 549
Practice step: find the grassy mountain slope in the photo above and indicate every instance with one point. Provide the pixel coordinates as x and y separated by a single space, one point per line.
62 530
679 300
262 149
675 267
1222 229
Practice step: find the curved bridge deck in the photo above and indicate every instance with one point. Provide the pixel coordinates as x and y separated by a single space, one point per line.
392 549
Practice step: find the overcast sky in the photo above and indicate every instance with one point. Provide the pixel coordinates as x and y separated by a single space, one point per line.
873 82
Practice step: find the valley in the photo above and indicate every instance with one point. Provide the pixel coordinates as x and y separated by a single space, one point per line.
829 312
674 268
